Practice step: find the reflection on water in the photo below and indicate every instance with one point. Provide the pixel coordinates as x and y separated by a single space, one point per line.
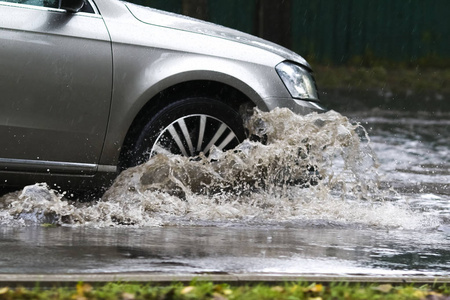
381 205
264 249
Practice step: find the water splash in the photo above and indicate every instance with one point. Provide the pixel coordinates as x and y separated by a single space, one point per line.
314 169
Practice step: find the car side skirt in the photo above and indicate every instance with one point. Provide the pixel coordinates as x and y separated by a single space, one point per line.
52 167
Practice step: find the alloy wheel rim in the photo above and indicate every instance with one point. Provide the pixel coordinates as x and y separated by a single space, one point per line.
193 134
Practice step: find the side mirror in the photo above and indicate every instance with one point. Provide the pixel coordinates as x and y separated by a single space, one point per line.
72 6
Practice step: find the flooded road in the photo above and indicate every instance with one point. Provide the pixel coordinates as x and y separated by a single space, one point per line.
378 205
220 250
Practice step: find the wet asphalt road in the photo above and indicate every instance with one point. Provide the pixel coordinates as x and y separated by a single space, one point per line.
232 254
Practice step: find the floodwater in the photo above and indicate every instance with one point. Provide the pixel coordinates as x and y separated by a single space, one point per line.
325 194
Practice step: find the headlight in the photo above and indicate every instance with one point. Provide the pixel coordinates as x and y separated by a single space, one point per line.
297 80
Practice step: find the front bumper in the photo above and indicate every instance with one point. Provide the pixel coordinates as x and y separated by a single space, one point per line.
301 107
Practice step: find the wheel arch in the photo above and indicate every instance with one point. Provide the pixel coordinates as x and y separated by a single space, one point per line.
190 89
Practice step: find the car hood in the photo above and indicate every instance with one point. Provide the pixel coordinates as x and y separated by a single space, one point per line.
166 19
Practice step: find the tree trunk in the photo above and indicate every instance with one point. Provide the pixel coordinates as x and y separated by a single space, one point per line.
196 8
273 21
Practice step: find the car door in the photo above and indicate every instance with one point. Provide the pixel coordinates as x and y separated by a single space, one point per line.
55 87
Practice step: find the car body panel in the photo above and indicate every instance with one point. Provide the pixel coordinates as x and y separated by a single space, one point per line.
56 81
183 23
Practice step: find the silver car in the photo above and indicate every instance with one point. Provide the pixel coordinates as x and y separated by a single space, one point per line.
91 87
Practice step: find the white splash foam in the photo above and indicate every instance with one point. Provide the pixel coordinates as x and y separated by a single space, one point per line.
255 183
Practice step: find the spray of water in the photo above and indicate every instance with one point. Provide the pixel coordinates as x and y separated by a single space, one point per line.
314 169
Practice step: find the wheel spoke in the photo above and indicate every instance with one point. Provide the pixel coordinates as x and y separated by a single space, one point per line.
201 132
186 135
177 139
219 132
158 149
227 140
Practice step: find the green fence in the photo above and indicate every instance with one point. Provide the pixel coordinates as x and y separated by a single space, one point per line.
336 31
393 30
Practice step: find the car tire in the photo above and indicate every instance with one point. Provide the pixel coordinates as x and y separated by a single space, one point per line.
189 127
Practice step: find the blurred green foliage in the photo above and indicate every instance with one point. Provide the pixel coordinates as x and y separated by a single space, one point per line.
223 291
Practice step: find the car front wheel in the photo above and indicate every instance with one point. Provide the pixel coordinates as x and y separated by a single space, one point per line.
189 127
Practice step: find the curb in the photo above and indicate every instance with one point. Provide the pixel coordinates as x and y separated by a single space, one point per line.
240 278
